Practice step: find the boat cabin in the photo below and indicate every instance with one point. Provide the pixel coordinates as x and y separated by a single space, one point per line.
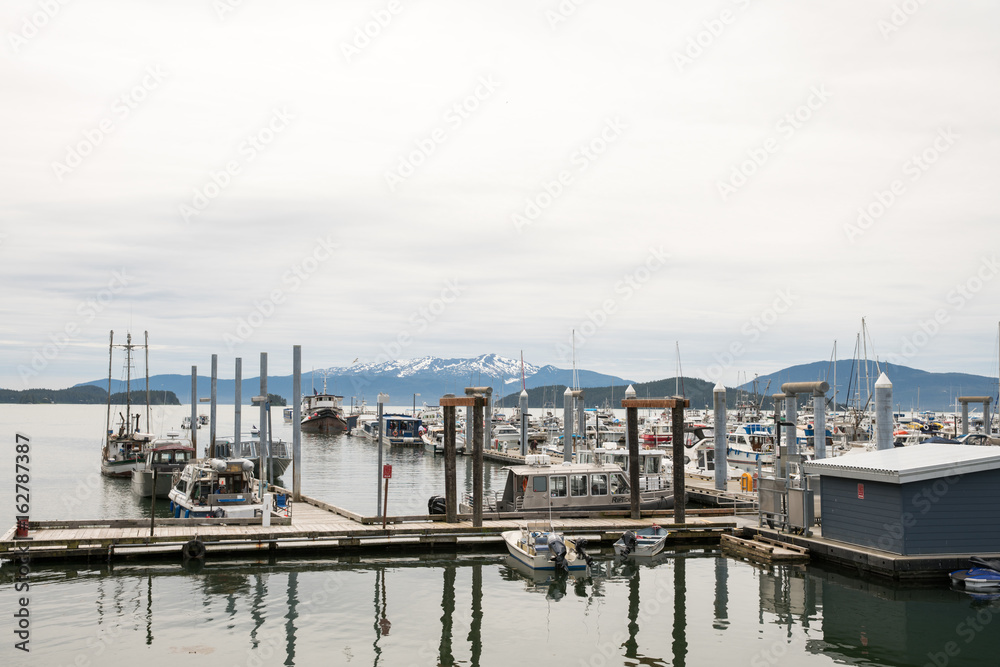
575 486
652 468
401 429
216 487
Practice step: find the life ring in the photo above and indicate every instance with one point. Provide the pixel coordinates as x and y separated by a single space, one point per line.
524 484
394 432
193 550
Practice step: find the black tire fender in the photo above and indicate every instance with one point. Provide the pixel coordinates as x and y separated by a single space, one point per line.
193 550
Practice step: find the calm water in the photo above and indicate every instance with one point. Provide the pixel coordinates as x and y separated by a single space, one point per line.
688 608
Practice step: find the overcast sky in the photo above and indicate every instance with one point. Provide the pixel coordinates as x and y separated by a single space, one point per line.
452 178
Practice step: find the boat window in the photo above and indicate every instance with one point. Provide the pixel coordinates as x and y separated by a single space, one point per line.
599 485
619 485
559 486
652 464
539 484
577 485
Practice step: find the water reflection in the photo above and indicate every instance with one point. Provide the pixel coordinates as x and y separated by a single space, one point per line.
686 608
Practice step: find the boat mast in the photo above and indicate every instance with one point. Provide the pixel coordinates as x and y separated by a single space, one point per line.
128 383
111 347
146 345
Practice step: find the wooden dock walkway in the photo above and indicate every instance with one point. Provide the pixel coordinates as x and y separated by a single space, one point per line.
314 526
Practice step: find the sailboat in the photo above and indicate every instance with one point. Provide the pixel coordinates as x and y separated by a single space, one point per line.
124 448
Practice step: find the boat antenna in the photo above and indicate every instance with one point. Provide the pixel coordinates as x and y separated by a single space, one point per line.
522 370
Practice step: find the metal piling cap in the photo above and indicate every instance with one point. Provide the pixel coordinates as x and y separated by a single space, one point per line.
630 392
883 382
719 388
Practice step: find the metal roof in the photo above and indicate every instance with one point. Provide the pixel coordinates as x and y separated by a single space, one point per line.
916 463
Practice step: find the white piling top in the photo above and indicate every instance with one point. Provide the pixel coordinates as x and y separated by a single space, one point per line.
630 392
883 381
568 392
719 388
524 393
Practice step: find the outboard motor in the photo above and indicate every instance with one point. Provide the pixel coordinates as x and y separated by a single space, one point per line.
582 553
558 550
629 539
436 505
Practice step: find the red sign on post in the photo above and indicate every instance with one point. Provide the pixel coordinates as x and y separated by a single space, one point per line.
387 471
861 491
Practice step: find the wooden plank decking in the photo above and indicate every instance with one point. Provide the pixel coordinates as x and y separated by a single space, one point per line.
313 525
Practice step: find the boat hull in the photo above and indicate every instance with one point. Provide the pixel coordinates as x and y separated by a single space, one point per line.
328 424
142 484
120 469
649 542
536 561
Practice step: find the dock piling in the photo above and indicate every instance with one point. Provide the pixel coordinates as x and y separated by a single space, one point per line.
719 432
523 405
237 407
632 434
296 423
450 486
194 409
819 424
883 413
211 410
382 398
677 442
477 461
568 425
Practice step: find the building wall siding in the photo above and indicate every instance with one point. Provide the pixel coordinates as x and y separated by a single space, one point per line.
873 521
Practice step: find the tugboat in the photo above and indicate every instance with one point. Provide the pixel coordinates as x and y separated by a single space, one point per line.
324 413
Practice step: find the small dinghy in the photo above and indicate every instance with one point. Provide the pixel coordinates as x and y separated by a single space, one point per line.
546 549
642 542
984 575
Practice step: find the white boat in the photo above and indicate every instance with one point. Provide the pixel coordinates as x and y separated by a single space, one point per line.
221 488
164 457
433 438
249 448
653 471
749 444
642 542
186 423
541 549
124 449
539 487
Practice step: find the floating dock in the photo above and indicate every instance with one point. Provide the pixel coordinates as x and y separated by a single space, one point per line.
315 526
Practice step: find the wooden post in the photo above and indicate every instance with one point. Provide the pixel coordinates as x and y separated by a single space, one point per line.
152 505
632 422
385 500
677 440
477 462
450 486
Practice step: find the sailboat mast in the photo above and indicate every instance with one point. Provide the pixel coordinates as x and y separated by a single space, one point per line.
128 382
146 345
111 347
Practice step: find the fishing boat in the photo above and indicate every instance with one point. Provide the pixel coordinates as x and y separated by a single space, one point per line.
539 487
401 429
750 444
984 575
125 448
221 488
324 413
248 447
164 457
186 424
433 439
643 542
544 549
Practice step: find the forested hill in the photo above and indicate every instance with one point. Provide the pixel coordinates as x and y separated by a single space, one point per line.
84 394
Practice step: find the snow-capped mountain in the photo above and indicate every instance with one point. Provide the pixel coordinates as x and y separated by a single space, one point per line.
486 366
430 377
